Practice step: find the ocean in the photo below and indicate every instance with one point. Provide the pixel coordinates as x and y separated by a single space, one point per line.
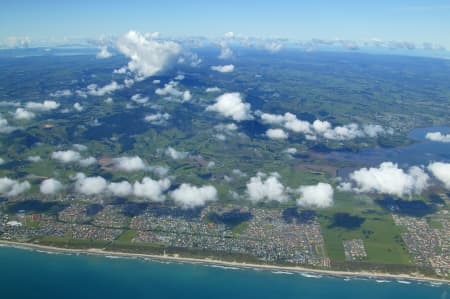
26 273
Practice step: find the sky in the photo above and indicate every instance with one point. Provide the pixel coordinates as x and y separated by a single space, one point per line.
408 20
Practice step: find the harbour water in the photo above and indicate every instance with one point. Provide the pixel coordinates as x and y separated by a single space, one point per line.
34 274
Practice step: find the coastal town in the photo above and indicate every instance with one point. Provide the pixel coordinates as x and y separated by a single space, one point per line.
286 236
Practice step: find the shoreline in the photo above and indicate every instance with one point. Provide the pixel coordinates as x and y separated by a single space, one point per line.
342 274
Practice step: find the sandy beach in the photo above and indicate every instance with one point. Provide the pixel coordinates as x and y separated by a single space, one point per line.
95 251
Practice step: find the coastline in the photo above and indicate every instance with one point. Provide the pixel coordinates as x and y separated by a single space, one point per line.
343 274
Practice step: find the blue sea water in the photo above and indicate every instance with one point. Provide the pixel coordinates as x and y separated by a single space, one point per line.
33 274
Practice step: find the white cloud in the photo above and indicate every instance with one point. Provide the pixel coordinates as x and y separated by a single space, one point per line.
189 196
157 118
174 154
225 52
4 126
10 187
262 187
34 158
213 89
273 47
122 189
79 147
86 162
316 196
94 90
130 164
104 53
77 106
23 114
223 68
322 128
388 178
229 34
148 56
109 100
441 171
438 137
2 161
9 104
138 98
151 189
276 134
231 105
345 132
179 77
50 186
187 96
172 90
289 121
90 185
61 93
291 150
44 106
68 156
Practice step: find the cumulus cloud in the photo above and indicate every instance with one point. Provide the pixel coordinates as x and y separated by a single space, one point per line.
80 147
50 186
189 196
438 137
130 164
273 47
138 98
151 189
122 189
90 185
104 53
316 196
68 156
288 120
264 187
71 156
225 50
10 187
61 93
174 154
89 161
94 90
171 89
77 106
213 89
276 134
23 114
44 106
229 34
441 171
231 105
34 158
157 118
388 178
322 128
4 126
223 68
147 56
